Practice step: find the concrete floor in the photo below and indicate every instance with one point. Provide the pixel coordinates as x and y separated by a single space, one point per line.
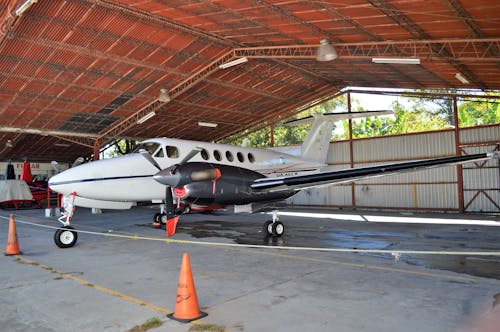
113 284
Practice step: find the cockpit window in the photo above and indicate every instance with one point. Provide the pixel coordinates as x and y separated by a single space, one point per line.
159 154
150 147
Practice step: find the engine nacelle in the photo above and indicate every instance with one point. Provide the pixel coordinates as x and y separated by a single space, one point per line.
206 183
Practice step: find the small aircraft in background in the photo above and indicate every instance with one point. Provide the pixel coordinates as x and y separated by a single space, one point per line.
216 174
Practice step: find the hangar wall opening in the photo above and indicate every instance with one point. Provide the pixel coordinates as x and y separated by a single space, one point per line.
469 188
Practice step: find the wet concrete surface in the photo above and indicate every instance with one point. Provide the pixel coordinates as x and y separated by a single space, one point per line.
338 233
108 283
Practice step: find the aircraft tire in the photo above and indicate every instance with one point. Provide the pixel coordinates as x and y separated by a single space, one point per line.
278 229
65 238
157 217
163 218
267 229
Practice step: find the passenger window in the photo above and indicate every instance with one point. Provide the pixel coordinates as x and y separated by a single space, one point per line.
204 154
217 155
240 157
229 156
251 158
160 153
172 152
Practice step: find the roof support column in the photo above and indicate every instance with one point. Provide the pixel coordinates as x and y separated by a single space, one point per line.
458 151
271 134
97 149
351 150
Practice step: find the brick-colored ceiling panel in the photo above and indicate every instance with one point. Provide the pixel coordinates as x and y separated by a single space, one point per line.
85 66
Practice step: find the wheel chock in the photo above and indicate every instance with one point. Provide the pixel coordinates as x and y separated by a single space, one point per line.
171 226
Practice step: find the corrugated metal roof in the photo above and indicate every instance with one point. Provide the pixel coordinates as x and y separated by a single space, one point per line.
89 65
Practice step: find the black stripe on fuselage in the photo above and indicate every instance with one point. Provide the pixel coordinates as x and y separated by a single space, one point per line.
99 179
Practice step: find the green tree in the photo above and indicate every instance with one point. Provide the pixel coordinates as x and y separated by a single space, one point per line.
121 147
477 112
285 135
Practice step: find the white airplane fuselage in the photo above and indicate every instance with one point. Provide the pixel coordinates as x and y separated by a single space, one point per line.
129 178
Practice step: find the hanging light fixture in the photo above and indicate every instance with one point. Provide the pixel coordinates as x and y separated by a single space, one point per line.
462 78
164 96
397 61
326 52
236 62
146 117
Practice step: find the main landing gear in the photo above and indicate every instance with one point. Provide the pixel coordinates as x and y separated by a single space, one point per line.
274 228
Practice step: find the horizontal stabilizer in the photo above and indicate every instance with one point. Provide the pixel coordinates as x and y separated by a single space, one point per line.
333 117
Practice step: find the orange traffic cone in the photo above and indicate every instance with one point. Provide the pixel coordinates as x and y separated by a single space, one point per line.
12 243
186 306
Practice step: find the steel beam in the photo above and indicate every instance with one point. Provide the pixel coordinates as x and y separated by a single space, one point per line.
45 132
477 49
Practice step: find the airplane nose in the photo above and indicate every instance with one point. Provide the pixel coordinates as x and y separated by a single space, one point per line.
57 183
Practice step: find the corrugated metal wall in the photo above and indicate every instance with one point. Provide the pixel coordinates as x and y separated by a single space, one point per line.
440 189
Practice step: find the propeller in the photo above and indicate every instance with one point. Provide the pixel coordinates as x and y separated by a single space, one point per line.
169 173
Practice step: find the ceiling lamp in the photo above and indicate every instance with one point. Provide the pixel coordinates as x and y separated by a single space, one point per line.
326 52
25 6
461 78
164 96
233 63
397 61
207 124
146 117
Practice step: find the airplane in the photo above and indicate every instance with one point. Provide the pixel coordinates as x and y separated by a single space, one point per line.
216 174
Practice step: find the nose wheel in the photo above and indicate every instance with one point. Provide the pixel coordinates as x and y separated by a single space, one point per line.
66 237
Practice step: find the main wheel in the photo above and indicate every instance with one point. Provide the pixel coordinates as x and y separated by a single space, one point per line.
65 238
278 229
268 227
163 218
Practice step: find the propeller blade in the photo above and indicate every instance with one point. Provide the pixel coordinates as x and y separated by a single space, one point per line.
148 157
55 165
190 155
78 161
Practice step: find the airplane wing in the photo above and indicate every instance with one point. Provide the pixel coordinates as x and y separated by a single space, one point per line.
350 175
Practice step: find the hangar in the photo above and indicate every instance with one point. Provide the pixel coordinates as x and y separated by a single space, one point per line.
78 74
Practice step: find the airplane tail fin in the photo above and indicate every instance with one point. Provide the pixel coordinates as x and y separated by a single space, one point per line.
316 144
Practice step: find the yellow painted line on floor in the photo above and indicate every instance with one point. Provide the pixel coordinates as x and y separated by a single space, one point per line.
87 283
